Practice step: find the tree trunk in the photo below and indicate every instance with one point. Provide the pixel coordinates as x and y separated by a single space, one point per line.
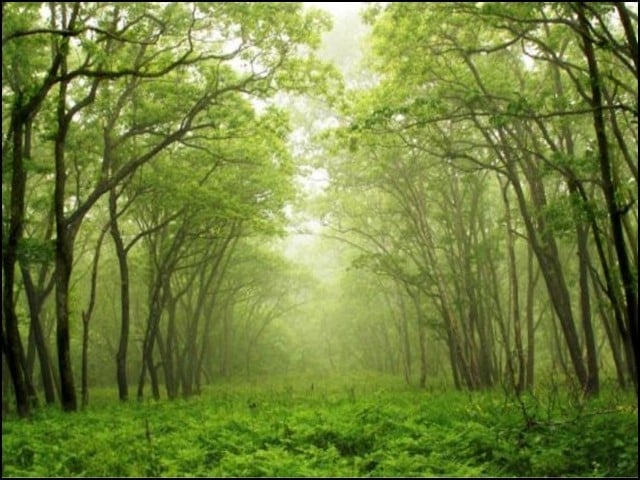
63 247
422 340
490 280
148 365
558 346
406 343
31 353
519 381
630 33
226 342
85 360
35 300
6 383
86 317
531 284
609 189
545 248
168 353
63 273
11 334
593 381
125 301
612 335
143 373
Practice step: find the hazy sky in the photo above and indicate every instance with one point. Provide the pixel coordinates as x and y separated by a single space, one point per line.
338 8
341 46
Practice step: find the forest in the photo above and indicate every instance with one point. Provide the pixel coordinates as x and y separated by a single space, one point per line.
306 239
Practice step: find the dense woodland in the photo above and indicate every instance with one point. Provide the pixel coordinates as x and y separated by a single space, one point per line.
473 227
489 180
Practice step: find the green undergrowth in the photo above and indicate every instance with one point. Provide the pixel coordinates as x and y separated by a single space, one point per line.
356 427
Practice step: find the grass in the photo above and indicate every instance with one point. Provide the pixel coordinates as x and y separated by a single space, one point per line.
353 427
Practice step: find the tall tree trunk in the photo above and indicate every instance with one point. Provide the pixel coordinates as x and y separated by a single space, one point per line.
490 281
406 343
606 177
150 338
86 318
612 335
6 383
545 248
519 381
63 274
531 284
453 358
64 239
630 34
35 300
206 280
593 380
226 342
11 334
31 390
422 339
63 262
558 347
31 354
205 347
221 268
148 365
168 353
84 374
125 301
582 231
541 238
143 373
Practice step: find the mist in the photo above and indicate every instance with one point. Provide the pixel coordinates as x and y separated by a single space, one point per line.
320 239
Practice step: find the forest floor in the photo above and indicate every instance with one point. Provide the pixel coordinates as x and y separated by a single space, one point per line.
367 426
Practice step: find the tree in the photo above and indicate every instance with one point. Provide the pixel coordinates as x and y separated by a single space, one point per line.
95 52
506 95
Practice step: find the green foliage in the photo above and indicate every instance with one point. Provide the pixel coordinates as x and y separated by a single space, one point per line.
33 250
364 427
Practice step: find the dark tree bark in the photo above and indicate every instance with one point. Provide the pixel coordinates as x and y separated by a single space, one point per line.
23 112
36 298
64 260
613 336
615 212
6 383
630 33
13 343
172 366
125 301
